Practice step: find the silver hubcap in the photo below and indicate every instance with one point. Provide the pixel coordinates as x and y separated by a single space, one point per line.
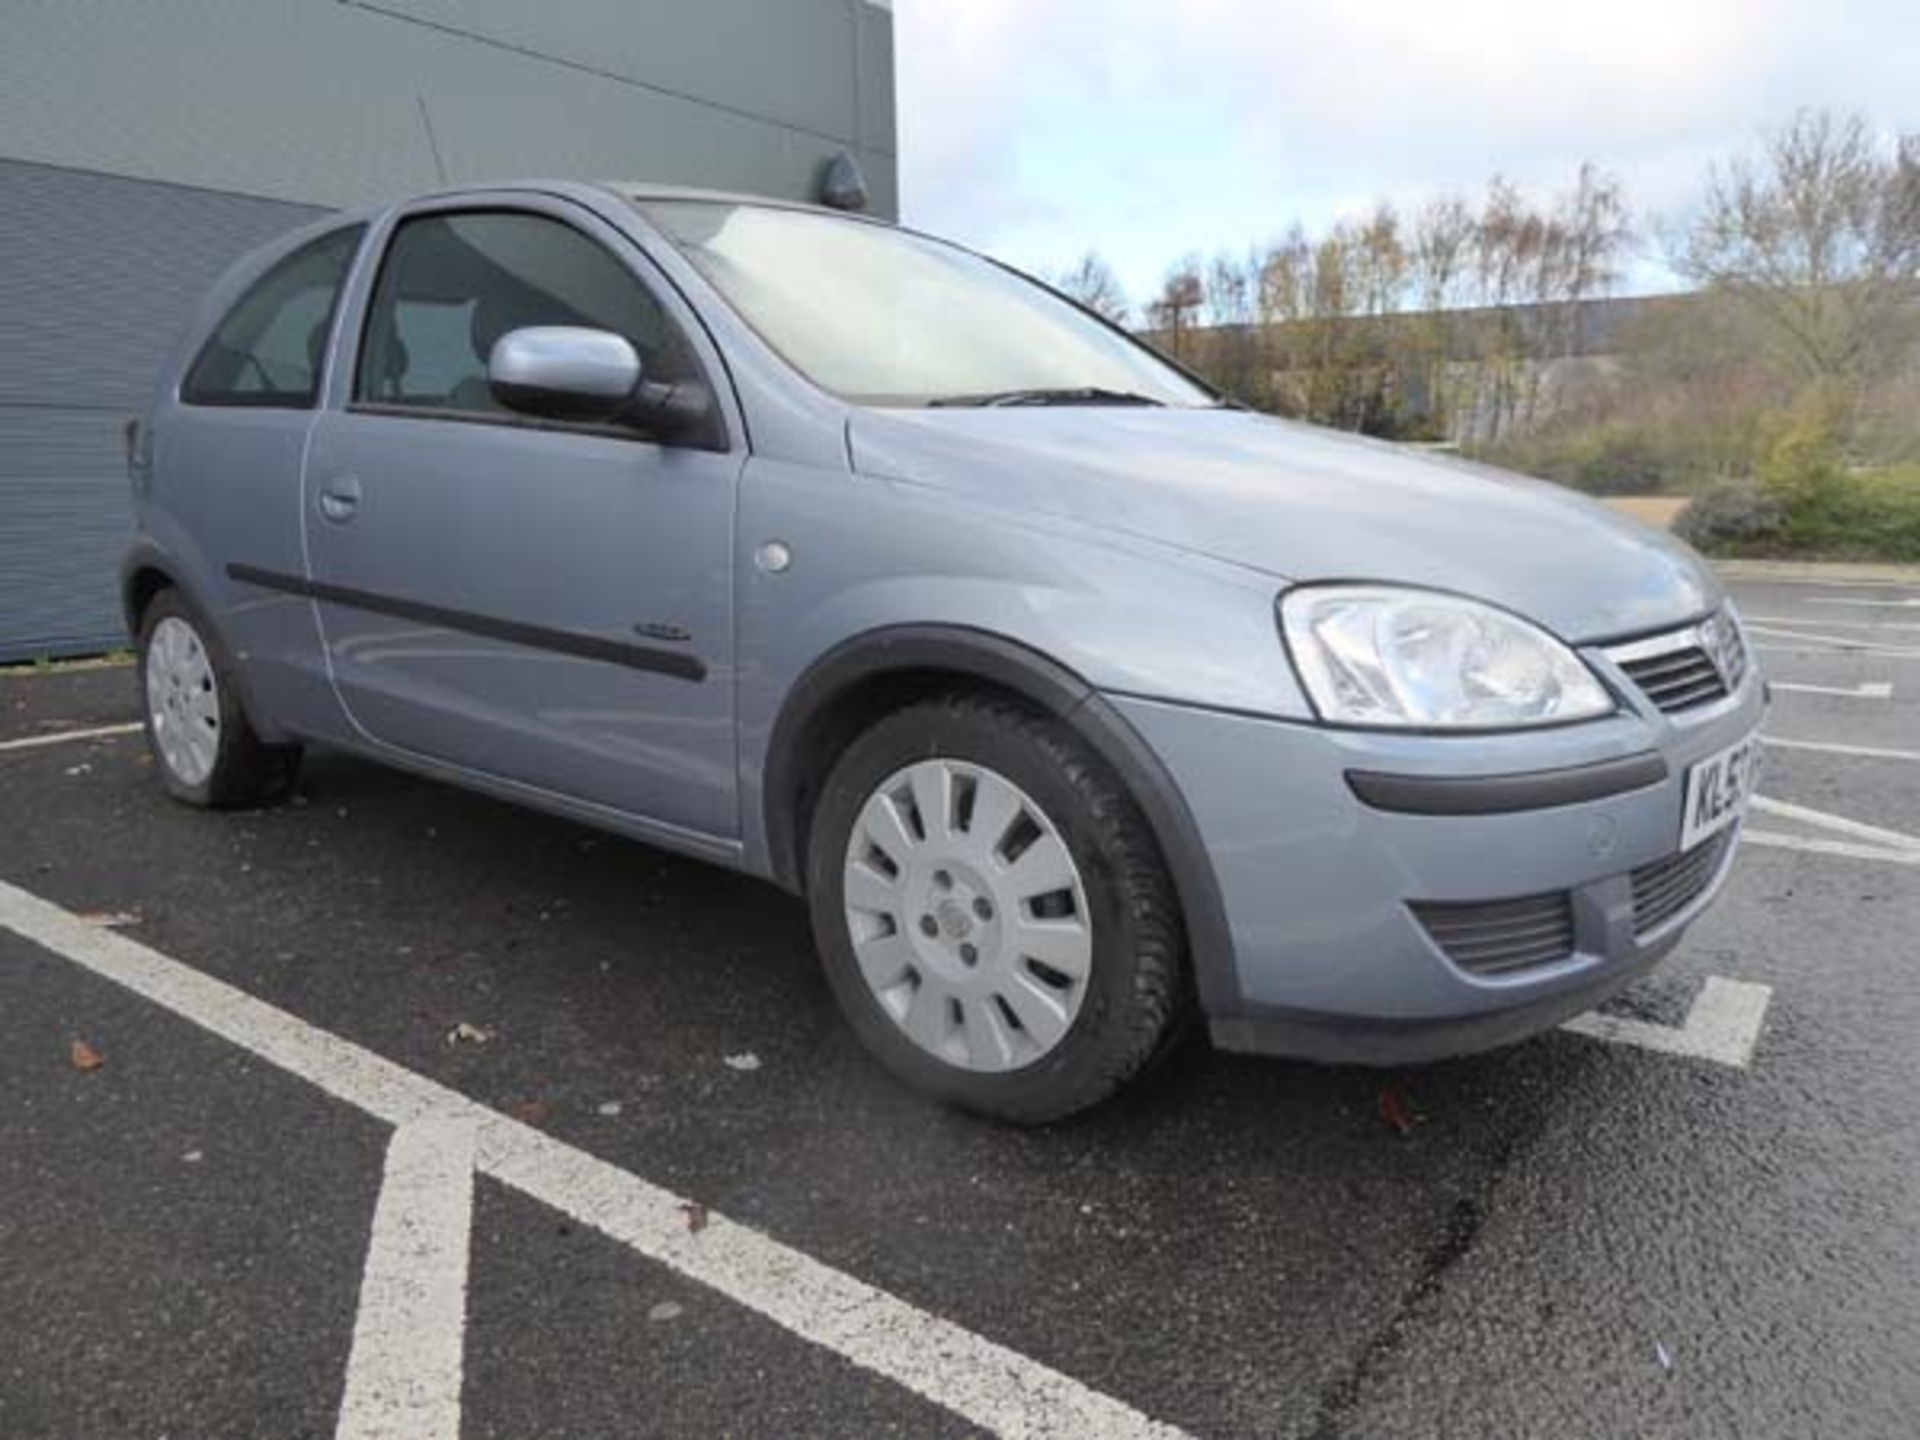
967 916
183 702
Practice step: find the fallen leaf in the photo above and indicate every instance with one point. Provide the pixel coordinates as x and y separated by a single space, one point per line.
110 919
468 1034
745 1060
665 1310
532 1112
84 1056
1395 1111
696 1214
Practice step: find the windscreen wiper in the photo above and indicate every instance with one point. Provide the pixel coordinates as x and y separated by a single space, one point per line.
1074 395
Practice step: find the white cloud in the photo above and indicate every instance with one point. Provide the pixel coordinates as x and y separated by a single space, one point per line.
1151 127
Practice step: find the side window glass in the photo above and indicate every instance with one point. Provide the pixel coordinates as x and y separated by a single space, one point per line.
271 346
451 285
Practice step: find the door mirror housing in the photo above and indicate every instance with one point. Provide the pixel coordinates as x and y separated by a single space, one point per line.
564 372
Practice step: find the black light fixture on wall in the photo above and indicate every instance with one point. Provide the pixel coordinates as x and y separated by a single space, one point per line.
843 185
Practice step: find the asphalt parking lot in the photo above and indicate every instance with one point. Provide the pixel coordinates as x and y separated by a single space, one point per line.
606 1089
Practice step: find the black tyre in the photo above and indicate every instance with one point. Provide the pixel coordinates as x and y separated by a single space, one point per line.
203 747
992 910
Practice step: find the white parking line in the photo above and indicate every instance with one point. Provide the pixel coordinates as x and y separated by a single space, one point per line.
1863 752
61 737
986 1384
1723 1026
403 1375
1835 642
1828 650
1847 849
1756 620
1910 603
1866 690
1841 824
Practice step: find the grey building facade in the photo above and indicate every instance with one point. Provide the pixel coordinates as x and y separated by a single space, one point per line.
146 143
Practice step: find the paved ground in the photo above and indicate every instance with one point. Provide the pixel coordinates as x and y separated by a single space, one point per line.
1578 1237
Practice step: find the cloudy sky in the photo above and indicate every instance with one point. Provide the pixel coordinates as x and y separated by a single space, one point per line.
1039 129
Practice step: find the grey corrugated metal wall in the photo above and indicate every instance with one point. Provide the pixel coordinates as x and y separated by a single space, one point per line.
146 145
97 274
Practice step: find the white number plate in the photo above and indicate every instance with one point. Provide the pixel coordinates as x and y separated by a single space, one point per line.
1717 790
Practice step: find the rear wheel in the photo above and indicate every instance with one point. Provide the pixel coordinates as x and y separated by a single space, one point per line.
992 910
206 752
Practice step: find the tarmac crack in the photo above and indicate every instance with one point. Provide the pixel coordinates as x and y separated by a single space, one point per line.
1337 1400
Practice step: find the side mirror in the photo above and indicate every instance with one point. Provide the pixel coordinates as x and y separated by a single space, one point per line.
564 372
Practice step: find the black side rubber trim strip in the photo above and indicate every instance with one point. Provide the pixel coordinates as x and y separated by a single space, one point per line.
537 637
1505 794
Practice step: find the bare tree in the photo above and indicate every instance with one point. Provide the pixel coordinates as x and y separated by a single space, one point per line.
1235 351
1093 283
1440 256
1174 311
1819 235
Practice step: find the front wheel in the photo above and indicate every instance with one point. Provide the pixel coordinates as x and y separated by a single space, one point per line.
205 750
992 910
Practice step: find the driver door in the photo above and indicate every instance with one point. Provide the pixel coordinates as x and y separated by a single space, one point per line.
541 602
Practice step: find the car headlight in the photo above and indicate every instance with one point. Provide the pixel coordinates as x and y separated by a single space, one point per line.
1383 656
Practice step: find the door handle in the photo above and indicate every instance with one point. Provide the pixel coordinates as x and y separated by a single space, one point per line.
340 498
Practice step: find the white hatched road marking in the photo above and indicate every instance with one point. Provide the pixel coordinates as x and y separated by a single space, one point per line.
403 1375
986 1384
1723 1026
1865 842
1864 752
61 737
1866 690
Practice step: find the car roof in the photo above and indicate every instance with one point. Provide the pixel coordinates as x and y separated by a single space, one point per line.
634 192
640 191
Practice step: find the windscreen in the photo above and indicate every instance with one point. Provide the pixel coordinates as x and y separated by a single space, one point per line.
881 316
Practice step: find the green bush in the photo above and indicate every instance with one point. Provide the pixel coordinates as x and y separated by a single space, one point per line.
1870 515
1731 516
1875 515
1601 459
1621 462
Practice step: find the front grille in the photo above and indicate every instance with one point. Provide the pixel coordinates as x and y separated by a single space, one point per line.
1494 937
1677 680
1663 888
1692 666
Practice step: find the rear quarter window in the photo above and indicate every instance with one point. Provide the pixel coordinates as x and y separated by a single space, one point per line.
270 348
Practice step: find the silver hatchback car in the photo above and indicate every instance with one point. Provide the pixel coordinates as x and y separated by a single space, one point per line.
1073 699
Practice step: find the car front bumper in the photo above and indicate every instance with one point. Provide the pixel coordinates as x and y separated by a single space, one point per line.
1330 958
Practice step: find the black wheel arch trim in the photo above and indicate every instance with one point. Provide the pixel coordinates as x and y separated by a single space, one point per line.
141 556
1027 672
1509 793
